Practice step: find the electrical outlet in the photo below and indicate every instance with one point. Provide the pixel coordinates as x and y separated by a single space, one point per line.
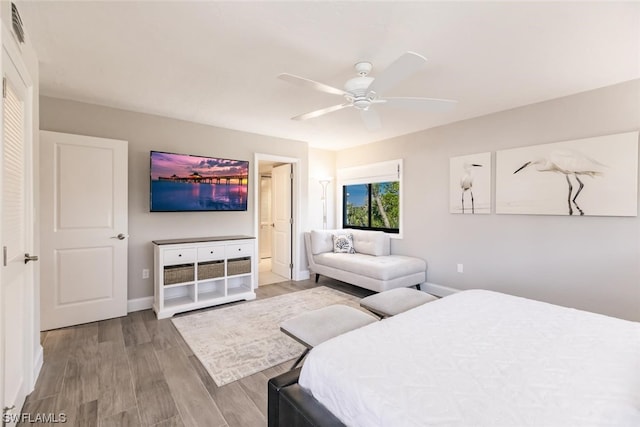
145 273
460 268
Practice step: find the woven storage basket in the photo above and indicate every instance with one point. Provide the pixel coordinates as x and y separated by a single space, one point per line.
210 270
238 266
178 274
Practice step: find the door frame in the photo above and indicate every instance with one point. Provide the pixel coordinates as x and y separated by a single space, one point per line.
296 273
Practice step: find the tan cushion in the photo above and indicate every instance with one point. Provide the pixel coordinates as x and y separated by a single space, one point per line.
321 241
395 301
317 326
368 242
376 243
376 267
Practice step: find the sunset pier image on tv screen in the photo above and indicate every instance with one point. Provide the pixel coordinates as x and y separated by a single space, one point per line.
181 182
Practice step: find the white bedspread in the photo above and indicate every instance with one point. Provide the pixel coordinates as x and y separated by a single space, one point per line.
481 358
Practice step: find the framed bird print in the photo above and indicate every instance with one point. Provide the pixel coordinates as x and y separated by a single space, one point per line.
470 184
590 176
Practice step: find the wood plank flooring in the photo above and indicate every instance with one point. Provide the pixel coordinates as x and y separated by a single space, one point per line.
138 371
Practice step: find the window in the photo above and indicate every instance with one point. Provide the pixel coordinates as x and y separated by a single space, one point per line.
372 197
374 206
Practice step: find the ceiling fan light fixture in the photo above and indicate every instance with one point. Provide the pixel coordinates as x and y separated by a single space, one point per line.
362 103
358 86
363 91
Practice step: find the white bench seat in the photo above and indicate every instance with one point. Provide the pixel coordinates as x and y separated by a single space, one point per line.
317 326
395 301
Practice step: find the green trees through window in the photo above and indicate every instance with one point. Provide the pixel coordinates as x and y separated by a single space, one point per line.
374 206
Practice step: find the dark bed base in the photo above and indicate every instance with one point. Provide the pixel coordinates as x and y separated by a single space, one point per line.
291 406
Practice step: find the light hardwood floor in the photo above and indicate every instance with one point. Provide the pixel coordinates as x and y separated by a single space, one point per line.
138 371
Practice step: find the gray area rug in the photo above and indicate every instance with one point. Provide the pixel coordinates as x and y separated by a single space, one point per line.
238 341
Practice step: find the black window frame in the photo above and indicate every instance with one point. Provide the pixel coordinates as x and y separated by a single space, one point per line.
369 202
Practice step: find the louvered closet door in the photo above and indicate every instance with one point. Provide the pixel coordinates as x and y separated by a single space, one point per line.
16 239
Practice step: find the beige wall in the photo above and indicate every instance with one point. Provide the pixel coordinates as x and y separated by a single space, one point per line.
590 263
145 133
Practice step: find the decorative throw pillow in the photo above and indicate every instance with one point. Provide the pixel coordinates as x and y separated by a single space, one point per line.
343 243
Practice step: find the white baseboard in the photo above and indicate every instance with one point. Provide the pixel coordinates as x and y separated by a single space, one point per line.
438 290
139 304
303 275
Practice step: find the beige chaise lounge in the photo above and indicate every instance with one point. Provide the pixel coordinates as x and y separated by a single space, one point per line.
371 266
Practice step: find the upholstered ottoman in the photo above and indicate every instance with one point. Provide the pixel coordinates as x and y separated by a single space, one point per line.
317 326
395 301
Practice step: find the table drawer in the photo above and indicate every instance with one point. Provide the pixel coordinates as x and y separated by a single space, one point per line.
211 253
239 250
179 256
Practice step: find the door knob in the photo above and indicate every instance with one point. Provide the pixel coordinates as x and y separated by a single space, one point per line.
120 236
28 258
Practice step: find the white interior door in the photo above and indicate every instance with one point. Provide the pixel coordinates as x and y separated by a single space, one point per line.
281 180
17 240
84 229
266 221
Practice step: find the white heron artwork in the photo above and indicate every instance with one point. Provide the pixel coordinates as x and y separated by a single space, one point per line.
470 184
591 176
466 183
570 164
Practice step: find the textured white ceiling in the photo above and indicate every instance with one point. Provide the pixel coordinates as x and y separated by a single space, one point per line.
217 62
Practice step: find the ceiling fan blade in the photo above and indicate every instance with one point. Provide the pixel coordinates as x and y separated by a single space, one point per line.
321 112
301 81
422 104
371 119
400 69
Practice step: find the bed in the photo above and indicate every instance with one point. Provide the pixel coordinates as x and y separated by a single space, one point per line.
475 358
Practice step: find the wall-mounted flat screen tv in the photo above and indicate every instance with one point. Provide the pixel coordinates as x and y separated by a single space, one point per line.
182 182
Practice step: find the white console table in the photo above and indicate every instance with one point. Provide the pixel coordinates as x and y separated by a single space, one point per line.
202 272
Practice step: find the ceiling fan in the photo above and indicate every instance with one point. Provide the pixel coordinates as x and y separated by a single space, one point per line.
363 92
